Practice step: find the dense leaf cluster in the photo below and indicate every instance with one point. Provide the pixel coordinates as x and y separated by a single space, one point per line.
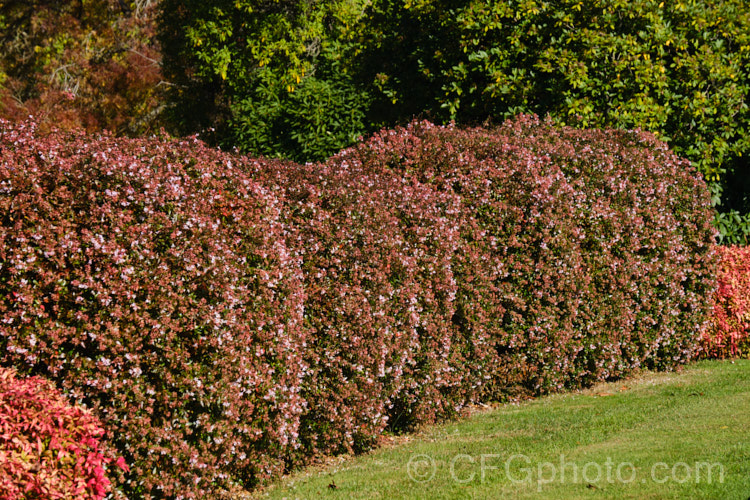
48 448
266 75
729 335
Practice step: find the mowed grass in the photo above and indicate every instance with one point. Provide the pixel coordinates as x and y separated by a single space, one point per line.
657 435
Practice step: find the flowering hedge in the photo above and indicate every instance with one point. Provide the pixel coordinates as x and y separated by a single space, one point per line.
48 448
150 280
228 317
649 232
597 244
729 335
377 256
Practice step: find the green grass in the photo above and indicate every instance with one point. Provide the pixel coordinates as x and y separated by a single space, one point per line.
656 429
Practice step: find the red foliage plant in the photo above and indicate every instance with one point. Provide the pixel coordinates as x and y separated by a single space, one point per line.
729 335
150 279
90 65
48 448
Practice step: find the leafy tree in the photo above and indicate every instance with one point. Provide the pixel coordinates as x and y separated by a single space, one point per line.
405 49
90 64
680 69
266 75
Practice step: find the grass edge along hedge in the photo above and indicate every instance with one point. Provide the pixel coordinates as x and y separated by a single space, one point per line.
227 317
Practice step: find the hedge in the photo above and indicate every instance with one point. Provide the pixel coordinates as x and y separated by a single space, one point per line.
598 244
149 279
228 318
377 255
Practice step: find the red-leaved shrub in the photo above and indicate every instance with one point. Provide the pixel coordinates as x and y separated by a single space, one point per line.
150 279
48 448
729 335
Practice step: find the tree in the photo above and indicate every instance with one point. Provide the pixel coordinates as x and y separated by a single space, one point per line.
90 64
265 75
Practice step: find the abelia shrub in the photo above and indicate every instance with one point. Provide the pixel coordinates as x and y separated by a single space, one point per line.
655 234
729 335
477 307
376 256
596 244
48 447
227 317
149 279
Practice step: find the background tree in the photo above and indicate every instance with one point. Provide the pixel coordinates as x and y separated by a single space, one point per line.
679 69
265 75
90 64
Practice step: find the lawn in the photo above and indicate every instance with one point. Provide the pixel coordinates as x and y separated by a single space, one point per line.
657 435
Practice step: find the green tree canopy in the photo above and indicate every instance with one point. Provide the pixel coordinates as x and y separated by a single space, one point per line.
301 79
265 74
